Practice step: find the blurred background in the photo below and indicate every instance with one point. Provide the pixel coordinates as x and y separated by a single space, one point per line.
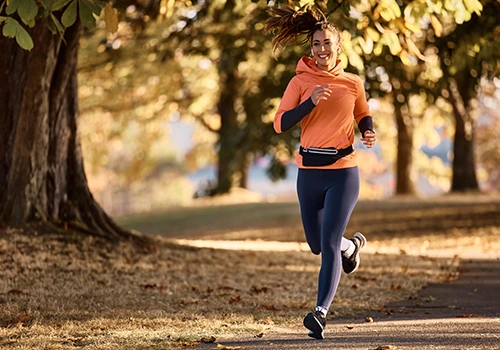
177 105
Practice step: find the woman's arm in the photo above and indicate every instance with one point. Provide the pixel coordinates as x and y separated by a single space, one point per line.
293 116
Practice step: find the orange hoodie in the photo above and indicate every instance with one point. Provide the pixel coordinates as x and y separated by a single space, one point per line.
330 124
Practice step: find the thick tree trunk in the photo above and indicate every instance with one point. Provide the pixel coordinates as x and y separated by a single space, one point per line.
42 178
405 183
464 168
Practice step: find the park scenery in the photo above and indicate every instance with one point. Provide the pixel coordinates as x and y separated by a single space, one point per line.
146 202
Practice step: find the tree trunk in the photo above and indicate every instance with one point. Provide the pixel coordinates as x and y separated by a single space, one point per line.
464 167
42 177
229 133
404 174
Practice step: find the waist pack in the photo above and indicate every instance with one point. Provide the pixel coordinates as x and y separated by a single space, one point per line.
322 156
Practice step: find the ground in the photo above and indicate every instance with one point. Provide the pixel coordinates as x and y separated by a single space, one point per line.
57 292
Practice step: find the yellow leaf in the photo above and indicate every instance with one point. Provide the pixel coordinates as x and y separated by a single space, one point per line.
167 8
412 47
436 24
366 44
378 49
400 24
355 61
110 18
473 6
392 40
405 58
372 33
414 27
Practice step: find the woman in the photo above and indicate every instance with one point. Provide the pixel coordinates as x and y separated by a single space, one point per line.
325 100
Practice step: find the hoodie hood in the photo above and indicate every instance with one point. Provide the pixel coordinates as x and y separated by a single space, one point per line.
308 65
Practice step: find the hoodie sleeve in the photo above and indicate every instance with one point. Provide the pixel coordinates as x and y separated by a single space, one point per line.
361 107
290 100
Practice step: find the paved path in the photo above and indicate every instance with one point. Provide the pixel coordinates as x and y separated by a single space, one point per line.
463 314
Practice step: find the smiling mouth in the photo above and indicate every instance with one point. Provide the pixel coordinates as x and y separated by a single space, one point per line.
323 56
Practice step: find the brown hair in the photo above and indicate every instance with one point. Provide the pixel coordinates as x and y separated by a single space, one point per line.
290 24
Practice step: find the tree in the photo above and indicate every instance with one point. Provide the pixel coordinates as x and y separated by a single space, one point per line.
468 55
391 36
42 178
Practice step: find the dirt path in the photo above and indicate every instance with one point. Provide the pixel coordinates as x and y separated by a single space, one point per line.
463 314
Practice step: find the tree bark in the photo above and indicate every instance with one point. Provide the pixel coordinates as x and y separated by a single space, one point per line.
230 135
464 167
404 174
42 177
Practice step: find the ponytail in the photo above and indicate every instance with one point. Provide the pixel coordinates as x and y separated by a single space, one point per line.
288 24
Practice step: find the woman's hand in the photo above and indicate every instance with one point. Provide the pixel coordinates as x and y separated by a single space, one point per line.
321 92
369 139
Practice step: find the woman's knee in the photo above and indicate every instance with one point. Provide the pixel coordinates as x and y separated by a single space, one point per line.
315 250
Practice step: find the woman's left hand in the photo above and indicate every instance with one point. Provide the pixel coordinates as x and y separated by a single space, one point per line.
369 139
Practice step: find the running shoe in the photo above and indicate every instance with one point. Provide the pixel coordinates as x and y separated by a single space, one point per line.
316 323
351 263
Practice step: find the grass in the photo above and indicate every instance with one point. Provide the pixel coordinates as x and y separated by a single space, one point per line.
60 292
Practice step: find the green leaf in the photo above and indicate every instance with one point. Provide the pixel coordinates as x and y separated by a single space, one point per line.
9 30
47 4
86 15
12 6
27 10
54 25
12 29
94 5
69 15
24 39
30 23
59 4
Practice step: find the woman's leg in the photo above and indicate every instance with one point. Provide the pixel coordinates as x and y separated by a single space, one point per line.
341 197
311 196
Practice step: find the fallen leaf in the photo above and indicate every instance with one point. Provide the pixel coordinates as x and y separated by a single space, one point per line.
15 291
257 290
226 347
260 335
368 319
235 299
226 288
349 327
190 343
210 339
267 320
20 321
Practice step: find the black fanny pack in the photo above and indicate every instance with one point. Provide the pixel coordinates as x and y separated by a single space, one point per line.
322 156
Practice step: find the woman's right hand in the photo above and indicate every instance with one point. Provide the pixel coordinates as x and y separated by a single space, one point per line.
321 92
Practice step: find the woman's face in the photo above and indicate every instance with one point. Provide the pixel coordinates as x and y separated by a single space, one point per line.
325 47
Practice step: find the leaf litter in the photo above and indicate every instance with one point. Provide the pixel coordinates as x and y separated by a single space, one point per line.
59 292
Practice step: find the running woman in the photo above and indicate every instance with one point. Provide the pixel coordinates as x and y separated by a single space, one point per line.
324 99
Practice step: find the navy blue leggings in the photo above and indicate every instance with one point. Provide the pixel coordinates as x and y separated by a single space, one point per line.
327 198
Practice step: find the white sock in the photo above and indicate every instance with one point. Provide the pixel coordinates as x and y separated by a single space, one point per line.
347 247
322 310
